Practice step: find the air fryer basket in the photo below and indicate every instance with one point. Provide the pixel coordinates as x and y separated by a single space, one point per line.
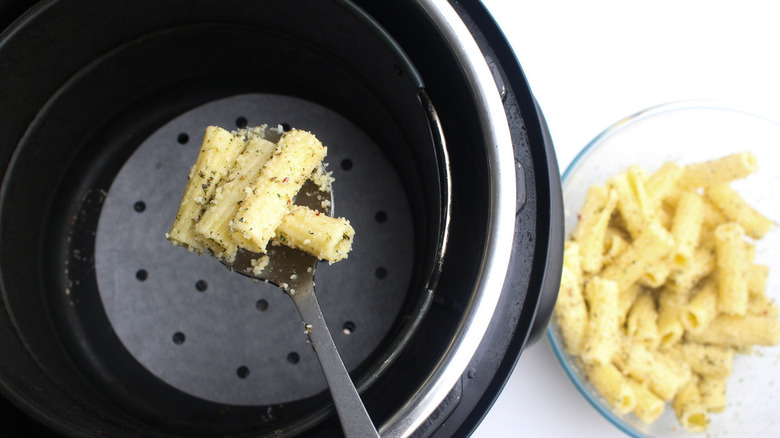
198 343
109 330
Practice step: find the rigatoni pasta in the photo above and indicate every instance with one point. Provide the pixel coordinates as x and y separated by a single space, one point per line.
670 307
602 338
615 243
652 245
739 332
730 255
271 195
686 227
683 278
672 257
648 406
571 309
626 300
214 225
642 321
712 391
632 202
326 237
756 277
614 386
707 360
664 373
592 226
662 183
690 410
702 308
736 209
240 194
657 273
218 153
721 170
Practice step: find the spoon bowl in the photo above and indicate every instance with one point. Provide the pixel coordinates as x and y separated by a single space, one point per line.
292 270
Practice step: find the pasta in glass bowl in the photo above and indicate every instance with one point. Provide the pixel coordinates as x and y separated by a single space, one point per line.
681 336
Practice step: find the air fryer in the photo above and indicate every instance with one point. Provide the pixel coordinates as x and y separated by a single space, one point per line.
442 162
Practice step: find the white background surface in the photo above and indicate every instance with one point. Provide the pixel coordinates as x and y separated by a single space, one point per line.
592 63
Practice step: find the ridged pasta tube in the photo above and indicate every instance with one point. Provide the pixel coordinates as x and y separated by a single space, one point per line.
326 237
215 222
270 197
218 153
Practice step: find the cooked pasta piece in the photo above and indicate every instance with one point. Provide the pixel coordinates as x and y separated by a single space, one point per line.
572 261
328 238
642 321
691 412
615 242
656 274
614 386
739 332
759 303
684 278
664 216
750 253
670 307
271 195
592 226
730 255
214 225
217 155
570 309
603 332
663 373
702 307
721 170
708 360
762 305
686 227
632 200
662 183
626 299
711 217
649 247
736 209
756 276
648 406
713 393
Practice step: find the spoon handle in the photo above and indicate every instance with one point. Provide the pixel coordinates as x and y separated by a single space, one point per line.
352 413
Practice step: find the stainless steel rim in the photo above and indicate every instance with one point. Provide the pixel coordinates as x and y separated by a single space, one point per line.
495 261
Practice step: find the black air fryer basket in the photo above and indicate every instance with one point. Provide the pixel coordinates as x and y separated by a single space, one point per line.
442 162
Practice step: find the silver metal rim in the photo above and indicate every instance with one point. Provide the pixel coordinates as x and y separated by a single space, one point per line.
497 251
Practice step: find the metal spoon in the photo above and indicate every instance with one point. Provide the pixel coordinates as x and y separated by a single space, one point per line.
293 271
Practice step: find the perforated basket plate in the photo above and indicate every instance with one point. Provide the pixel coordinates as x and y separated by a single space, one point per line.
218 335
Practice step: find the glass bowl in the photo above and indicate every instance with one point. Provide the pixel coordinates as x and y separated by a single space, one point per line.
688 132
